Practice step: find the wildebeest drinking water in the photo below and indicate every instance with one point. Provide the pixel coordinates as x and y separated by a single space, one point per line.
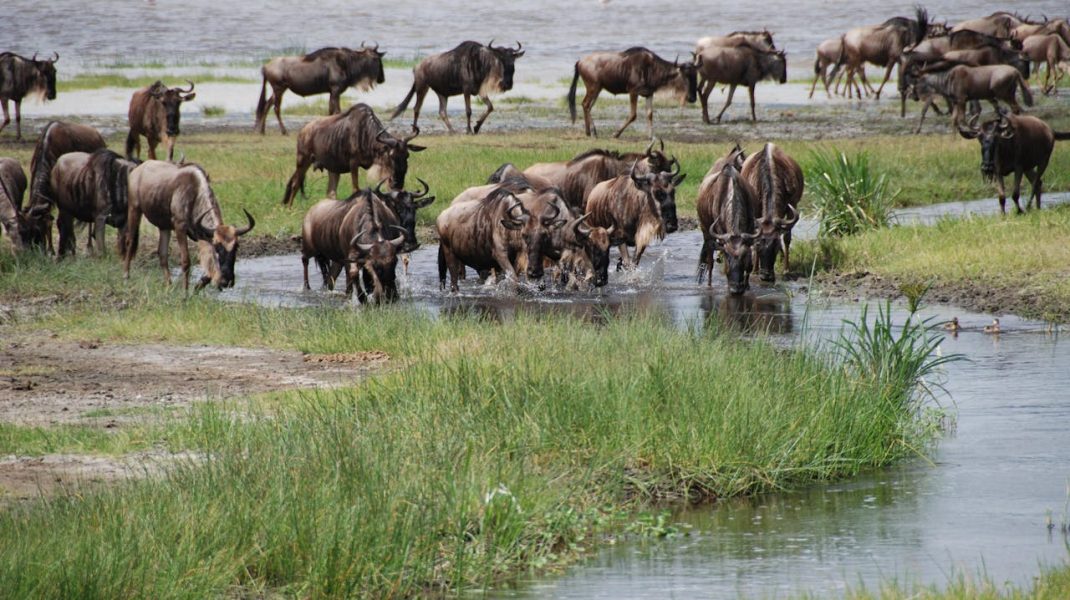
325 71
727 208
346 142
470 69
21 76
154 113
637 72
778 182
91 188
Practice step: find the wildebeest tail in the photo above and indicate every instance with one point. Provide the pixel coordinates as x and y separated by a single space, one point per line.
441 264
261 104
572 92
404 103
131 142
1027 95
1062 135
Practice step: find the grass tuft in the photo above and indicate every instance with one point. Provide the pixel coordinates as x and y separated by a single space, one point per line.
848 194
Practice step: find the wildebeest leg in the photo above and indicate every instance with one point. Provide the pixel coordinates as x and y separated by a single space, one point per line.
650 114
468 112
505 266
1018 190
18 120
183 258
7 117
820 75
704 96
731 92
786 237
98 233
151 141
332 184
442 100
702 259
750 90
639 254
490 108
170 141
1013 101
625 260
887 76
589 97
334 104
421 93
304 264
133 229
296 182
65 224
1035 185
924 109
276 98
162 249
633 102
353 170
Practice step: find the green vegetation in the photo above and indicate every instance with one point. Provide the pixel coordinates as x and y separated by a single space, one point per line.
1052 584
96 81
847 194
213 110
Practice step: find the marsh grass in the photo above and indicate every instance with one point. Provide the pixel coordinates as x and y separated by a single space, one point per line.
213 110
849 195
95 81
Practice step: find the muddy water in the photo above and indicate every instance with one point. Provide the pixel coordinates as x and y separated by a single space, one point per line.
980 504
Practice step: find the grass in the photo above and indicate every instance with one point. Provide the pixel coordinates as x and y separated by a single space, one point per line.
848 195
1053 583
96 81
496 447
213 110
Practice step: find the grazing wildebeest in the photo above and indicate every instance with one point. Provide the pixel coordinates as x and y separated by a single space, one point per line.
759 40
639 207
778 182
482 234
179 199
325 71
21 76
1019 144
470 69
154 113
57 139
727 208
829 54
1051 50
12 188
881 45
91 188
346 142
735 67
637 72
991 82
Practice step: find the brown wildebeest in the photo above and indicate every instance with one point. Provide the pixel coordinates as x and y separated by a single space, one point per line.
639 209
1051 50
21 76
829 54
22 227
179 199
154 113
57 139
346 142
727 208
1019 144
991 82
925 88
586 254
735 67
482 234
1058 27
636 72
998 24
470 69
325 71
967 39
778 182
881 45
91 188
987 55
759 40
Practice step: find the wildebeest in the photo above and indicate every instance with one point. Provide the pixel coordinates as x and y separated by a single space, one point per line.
179 198
346 142
470 69
91 188
778 182
1059 27
639 207
21 76
637 72
881 45
1053 52
1019 144
759 40
991 82
586 254
737 66
925 88
351 232
24 228
325 71
57 139
998 24
829 54
154 113
727 208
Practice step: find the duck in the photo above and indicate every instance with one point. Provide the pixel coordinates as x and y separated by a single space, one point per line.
993 328
953 325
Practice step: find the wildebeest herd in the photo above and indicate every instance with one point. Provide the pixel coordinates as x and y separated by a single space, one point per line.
561 218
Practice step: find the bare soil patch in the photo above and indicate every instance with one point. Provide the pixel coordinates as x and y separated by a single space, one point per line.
23 478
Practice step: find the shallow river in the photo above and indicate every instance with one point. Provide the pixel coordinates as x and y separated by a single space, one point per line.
980 504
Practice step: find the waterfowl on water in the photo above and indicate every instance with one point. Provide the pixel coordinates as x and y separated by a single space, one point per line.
993 328
953 325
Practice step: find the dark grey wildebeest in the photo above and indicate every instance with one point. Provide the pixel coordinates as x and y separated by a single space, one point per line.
470 69
325 71
90 188
21 76
154 113
737 66
778 182
637 72
727 209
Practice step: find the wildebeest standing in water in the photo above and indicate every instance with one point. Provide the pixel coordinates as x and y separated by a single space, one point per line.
727 209
778 182
346 142
21 76
881 45
57 139
91 188
325 71
21 226
1019 144
470 69
480 234
637 72
179 199
154 113
737 66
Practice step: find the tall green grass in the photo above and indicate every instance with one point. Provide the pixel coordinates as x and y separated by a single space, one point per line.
489 448
850 196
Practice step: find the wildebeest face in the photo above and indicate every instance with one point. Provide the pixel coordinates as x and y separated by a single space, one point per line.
220 265
779 66
46 70
172 99
992 134
405 205
32 227
507 56
379 261
397 155
539 238
373 53
662 188
595 242
738 263
689 72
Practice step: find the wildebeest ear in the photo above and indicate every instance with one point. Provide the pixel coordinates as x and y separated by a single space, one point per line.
416 148
189 97
511 224
676 180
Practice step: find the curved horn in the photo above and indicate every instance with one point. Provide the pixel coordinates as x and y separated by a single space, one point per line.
248 228
713 226
490 43
674 167
379 137
794 217
353 240
34 57
649 148
57 56
661 144
415 132
399 240
519 46
579 229
631 172
550 219
379 187
191 86
423 193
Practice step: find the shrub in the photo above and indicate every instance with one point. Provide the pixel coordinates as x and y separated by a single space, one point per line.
848 195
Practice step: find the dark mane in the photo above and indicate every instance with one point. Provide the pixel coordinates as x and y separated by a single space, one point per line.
604 152
321 53
635 50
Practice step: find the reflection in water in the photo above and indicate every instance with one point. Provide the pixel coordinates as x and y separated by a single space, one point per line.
768 313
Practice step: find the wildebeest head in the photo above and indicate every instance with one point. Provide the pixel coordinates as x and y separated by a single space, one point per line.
46 73
507 56
32 227
539 232
991 134
595 244
738 262
774 65
379 260
373 53
656 160
661 187
219 263
396 157
172 99
771 240
689 73
405 205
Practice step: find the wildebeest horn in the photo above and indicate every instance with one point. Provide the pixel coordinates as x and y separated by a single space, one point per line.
794 217
579 228
379 187
244 230
399 240
631 172
674 167
546 220
426 189
490 43
34 57
191 86
649 148
519 46
353 241
415 132
714 226
57 56
379 136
